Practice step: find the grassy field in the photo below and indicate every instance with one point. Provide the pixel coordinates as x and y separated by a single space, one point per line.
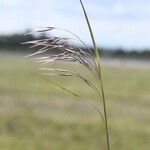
35 115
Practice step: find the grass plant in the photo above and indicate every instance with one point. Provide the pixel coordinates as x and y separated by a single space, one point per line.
70 52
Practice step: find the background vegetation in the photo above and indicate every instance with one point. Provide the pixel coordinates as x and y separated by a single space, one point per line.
35 116
11 43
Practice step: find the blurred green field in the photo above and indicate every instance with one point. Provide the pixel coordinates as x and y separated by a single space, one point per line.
35 115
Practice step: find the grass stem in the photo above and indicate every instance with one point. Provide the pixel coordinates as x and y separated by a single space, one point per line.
99 74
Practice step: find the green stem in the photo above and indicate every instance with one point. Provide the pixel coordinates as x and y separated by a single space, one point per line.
105 112
99 74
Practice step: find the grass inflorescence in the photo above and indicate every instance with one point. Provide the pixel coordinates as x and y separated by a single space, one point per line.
71 52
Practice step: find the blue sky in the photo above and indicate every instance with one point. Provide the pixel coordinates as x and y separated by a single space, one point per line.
116 23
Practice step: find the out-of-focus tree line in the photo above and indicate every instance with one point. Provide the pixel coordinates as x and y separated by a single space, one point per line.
12 43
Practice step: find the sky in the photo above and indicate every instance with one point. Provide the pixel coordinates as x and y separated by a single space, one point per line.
116 23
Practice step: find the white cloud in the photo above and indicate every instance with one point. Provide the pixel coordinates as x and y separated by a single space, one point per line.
120 8
122 33
9 3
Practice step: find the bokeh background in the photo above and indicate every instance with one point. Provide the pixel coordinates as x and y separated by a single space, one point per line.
35 115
